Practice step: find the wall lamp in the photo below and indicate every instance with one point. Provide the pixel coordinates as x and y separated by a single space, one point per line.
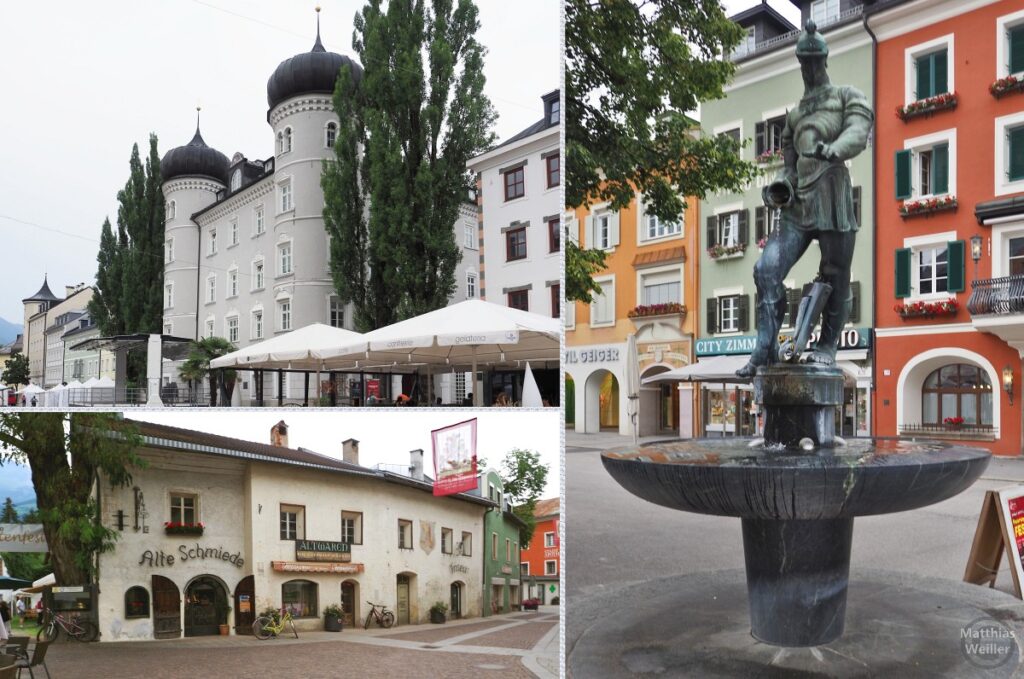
1008 382
976 242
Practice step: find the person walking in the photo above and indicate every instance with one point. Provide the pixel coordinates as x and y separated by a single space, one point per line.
19 606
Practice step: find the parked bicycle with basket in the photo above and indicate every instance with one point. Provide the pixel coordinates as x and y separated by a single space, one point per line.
268 625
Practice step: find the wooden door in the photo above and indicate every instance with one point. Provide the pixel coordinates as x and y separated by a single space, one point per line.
348 603
205 607
456 601
403 599
166 609
245 605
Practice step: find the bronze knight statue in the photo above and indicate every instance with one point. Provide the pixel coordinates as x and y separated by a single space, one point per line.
829 126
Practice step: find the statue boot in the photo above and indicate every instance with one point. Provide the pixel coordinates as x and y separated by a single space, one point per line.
823 352
769 320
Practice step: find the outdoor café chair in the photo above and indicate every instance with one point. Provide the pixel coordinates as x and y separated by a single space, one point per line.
38 658
17 646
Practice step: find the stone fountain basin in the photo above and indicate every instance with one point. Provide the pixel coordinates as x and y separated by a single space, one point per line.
727 477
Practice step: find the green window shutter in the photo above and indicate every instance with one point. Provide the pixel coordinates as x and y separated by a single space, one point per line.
760 138
759 229
854 302
856 205
744 312
924 77
1016 40
1015 140
940 168
744 235
956 271
712 231
904 188
940 63
903 259
757 303
712 315
792 306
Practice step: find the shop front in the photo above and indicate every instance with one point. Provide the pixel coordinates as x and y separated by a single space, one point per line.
664 408
596 375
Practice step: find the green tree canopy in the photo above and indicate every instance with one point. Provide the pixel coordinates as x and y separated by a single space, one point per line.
197 365
407 129
8 514
15 370
524 477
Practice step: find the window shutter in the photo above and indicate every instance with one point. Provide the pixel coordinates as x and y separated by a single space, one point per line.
856 204
940 62
956 271
744 238
759 230
743 308
924 76
903 257
940 168
613 229
760 141
757 304
589 235
904 188
854 302
1015 140
1016 39
712 314
792 306
712 231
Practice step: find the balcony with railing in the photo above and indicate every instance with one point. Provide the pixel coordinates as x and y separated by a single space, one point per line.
745 51
959 432
996 306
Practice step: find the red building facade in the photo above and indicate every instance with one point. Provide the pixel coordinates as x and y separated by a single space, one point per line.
541 566
949 151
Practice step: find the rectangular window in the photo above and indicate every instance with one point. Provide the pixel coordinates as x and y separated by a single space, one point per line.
469 235
183 508
169 251
728 229
285 315
555 114
211 289
932 166
657 228
549 539
234 232
824 12
747 45
337 312
768 135
1015 247
519 299
556 300
293 522
257 325
352 528
1015 153
515 244
209 327
257 275
494 546
729 313
233 329
550 568
168 296
404 534
508 549
446 540
661 288
603 231
260 227
1015 38
932 272
298 597
553 170
284 259
524 568
233 283
466 546
932 70
554 234
286 197
515 183
602 309
470 285
211 243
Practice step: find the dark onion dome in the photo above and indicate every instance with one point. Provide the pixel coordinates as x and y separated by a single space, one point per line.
195 159
307 73
44 294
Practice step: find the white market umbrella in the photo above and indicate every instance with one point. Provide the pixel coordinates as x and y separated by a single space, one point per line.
466 334
296 349
531 392
632 385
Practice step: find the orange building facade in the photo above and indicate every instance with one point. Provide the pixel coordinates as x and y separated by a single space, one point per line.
541 566
649 289
950 222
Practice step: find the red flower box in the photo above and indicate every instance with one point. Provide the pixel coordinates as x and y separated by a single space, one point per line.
947 307
1006 86
928 106
178 528
656 310
915 208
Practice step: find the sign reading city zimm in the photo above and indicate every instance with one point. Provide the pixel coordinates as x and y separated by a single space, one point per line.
1000 526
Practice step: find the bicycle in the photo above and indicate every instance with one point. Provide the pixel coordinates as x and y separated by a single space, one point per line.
267 626
77 629
383 617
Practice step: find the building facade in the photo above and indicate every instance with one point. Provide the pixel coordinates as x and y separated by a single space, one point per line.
767 84
82 364
43 346
950 247
541 560
502 591
648 289
215 530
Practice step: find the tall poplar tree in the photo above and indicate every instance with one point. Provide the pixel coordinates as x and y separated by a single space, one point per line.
408 127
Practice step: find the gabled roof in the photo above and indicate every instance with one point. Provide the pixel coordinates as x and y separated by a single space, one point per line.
539 126
44 294
748 16
548 507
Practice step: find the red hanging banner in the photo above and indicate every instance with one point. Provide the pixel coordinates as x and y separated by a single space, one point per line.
455 458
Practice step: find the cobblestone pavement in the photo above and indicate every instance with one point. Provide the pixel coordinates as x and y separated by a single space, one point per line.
449 650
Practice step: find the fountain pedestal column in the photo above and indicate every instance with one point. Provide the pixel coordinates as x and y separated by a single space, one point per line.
799 401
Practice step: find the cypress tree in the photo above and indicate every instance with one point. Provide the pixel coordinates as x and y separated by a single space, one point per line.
417 116
105 305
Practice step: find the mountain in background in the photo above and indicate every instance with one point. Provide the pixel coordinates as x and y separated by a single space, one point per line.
16 483
8 331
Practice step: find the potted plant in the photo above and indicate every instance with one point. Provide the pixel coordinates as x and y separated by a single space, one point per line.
439 612
222 614
953 422
332 618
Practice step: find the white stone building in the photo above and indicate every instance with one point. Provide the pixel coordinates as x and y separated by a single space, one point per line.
282 527
519 200
81 364
42 310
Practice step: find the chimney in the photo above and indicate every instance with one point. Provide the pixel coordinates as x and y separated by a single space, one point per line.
350 451
70 290
279 435
416 464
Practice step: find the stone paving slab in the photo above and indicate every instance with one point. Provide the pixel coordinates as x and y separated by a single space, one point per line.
441 632
524 636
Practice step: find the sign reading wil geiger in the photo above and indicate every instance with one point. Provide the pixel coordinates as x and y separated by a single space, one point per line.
160 559
322 550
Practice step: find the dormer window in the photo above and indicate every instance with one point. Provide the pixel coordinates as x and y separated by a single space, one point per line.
236 179
331 134
555 115
287 140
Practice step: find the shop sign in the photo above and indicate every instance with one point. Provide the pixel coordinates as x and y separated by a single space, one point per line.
851 338
551 553
322 550
593 355
244 603
70 590
158 558
22 537
506 569
458 568
296 567
454 463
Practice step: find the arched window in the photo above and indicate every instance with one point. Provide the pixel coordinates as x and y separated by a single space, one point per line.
332 134
959 390
300 597
287 139
236 180
172 208
280 143
136 603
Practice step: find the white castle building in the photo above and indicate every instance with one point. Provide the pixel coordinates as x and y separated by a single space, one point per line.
246 250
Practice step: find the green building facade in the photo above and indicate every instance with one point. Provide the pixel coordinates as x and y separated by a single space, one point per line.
501 588
767 84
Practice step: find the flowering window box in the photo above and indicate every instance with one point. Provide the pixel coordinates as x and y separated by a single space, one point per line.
929 206
1006 86
171 528
947 307
926 107
761 243
726 251
953 422
649 310
769 157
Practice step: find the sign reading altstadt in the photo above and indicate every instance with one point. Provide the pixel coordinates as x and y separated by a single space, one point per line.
322 550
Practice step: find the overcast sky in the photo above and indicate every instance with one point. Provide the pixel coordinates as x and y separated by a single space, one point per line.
386 436
83 81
